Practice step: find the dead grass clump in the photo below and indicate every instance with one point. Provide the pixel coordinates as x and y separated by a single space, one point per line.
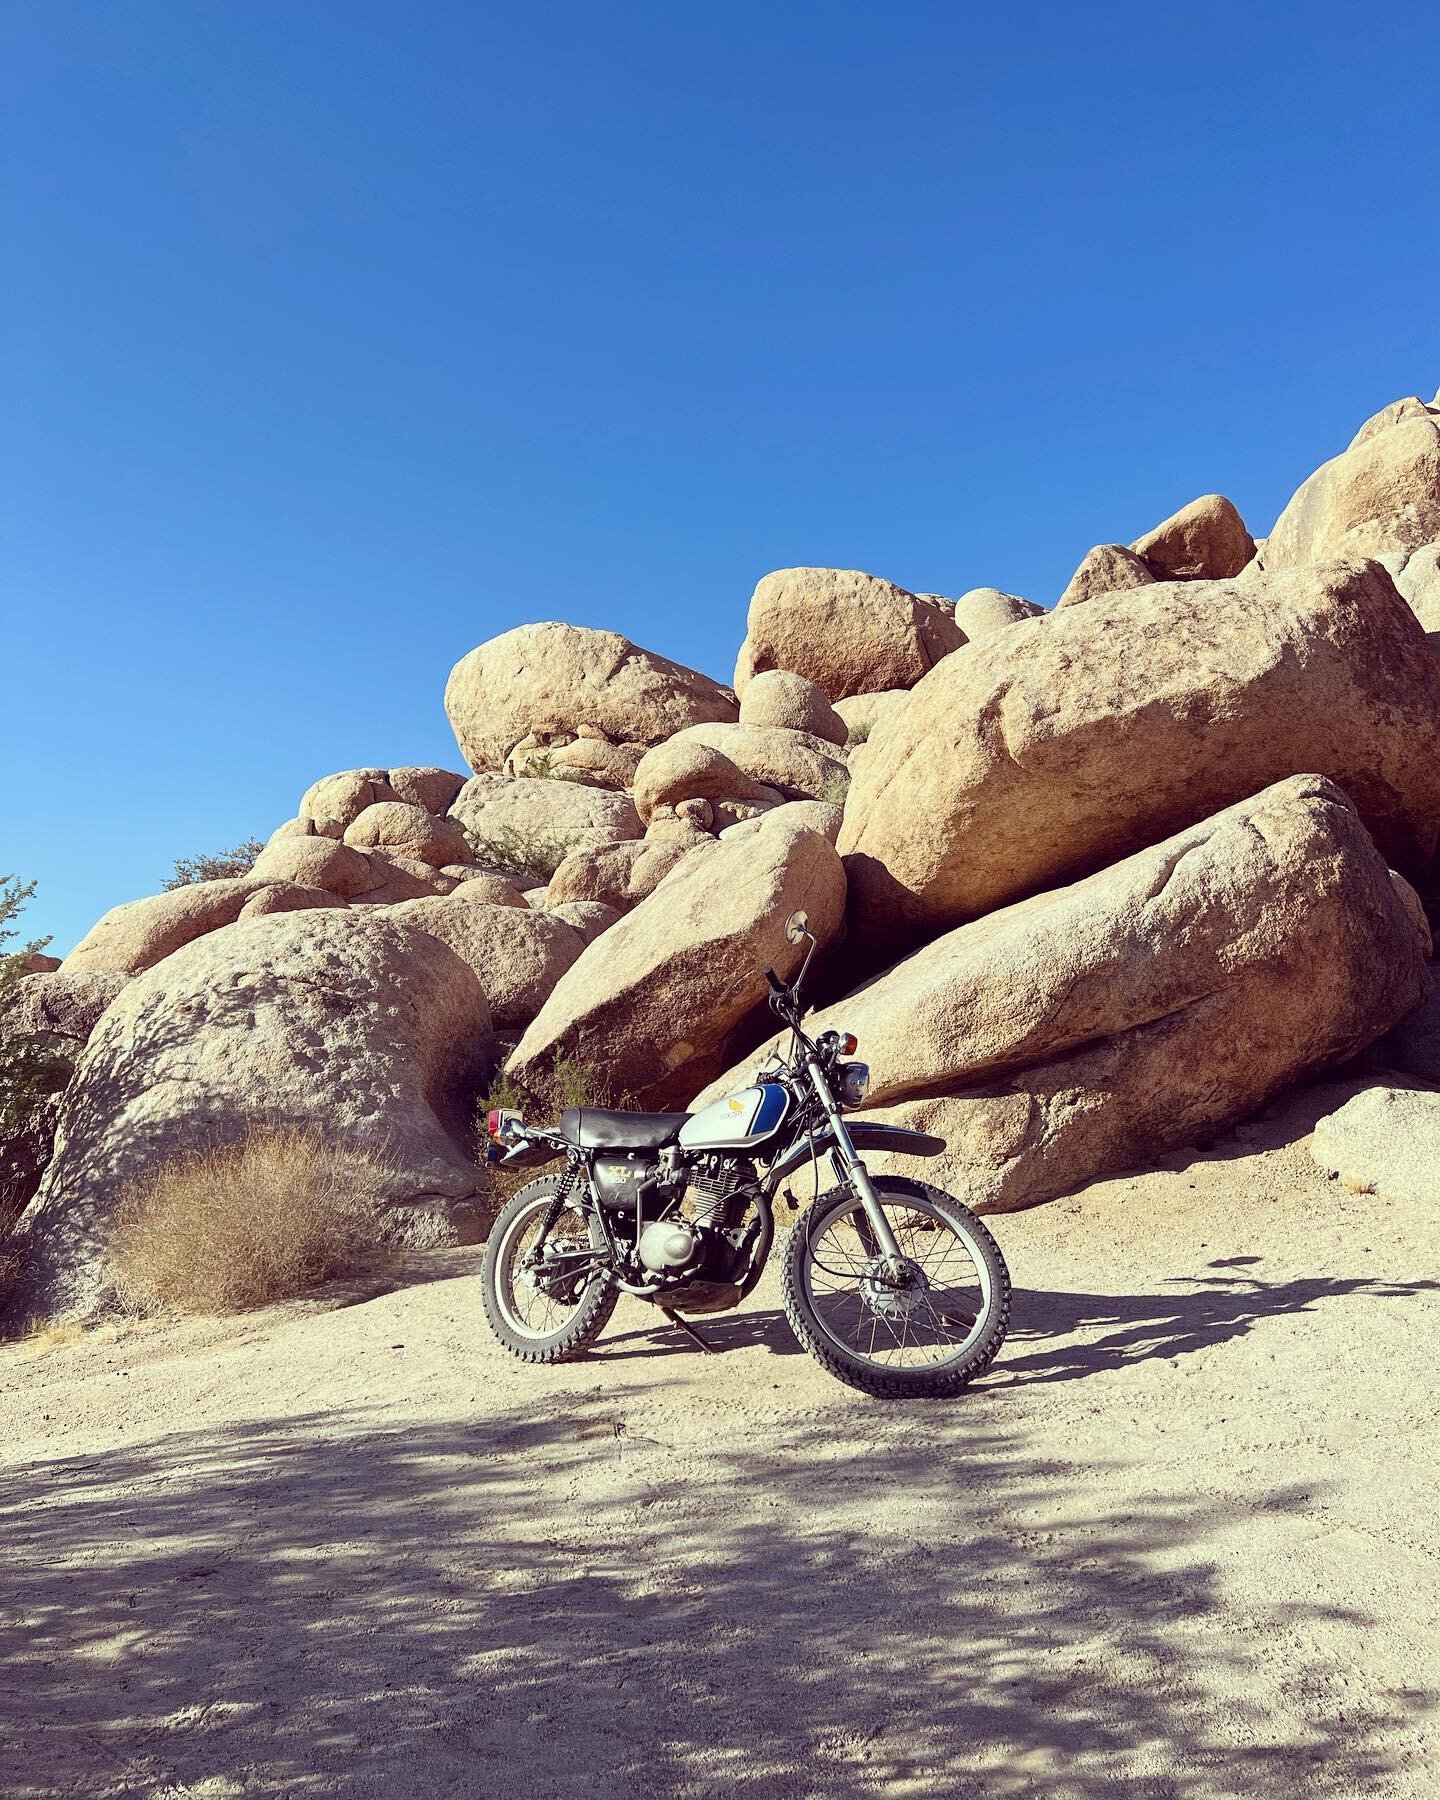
46 1338
222 1230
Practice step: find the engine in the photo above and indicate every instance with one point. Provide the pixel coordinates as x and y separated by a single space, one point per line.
715 1184
671 1247
699 1247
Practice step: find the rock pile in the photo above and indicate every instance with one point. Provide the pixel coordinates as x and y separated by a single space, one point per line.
1094 883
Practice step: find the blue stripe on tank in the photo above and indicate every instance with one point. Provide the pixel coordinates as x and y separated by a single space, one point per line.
772 1109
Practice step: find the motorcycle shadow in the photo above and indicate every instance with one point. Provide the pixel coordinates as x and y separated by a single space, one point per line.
765 1330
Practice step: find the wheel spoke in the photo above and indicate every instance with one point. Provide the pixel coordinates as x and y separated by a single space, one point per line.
536 1311
922 1318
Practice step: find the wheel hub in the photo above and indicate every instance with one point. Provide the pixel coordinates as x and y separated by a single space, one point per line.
551 1270
893 1297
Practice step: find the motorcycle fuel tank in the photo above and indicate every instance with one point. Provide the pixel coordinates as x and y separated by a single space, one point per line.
739 1120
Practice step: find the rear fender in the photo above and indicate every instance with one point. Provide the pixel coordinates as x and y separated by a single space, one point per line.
527 1154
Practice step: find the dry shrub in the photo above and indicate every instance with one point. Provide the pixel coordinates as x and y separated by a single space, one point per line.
220 1230
9 1265
53 1337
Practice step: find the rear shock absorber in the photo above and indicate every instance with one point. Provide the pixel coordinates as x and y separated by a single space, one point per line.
568 1183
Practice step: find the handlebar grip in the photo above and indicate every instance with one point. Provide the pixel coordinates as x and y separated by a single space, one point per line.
777 986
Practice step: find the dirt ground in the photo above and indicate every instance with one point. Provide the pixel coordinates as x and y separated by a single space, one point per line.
1181 1542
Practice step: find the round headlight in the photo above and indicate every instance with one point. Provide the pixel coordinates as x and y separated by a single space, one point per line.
854 1082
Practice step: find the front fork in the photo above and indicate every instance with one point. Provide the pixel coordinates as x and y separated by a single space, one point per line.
857 1174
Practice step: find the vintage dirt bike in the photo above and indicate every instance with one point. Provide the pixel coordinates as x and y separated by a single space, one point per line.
889 1283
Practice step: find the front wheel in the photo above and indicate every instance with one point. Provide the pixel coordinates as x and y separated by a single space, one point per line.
931 1329
549 1300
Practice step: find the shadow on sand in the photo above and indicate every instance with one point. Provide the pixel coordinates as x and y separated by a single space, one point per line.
862 1602
1053 1336
1053 1333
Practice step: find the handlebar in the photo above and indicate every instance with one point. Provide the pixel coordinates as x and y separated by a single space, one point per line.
776 985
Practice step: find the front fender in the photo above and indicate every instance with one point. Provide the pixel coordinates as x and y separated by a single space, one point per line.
896 1139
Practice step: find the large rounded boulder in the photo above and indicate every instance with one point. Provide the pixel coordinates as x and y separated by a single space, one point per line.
1381 495
1105 569
321 862
1385 1141
848 632
59 1009
591 760
371 1033
1417 578
139 933
542 684
778 698
656 1005
410 832
983 610
862 713
516 954
772 763
685 769
1086 1029
531 825
1204 541
617 875
345 796
424 785
1039 756
56 1014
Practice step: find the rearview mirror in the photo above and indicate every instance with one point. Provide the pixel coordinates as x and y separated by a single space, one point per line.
797 926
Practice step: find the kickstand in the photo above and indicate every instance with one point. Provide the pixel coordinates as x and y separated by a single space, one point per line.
693 1334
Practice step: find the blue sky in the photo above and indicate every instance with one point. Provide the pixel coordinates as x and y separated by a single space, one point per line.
339 337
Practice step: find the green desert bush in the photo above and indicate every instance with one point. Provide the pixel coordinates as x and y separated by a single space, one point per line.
221 1230
540 765
29 1071
572 1083
535 858
239 861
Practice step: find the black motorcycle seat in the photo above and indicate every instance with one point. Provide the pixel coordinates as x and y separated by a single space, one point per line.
593 1128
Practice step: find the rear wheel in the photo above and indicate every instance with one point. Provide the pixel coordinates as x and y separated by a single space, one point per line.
545 1302
927 1330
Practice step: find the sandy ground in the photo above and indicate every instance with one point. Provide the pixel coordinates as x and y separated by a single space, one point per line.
1181 1542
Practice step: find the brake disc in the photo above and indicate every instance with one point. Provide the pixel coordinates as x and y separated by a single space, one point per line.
893 1299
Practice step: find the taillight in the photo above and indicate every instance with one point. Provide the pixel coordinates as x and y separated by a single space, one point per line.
504 1125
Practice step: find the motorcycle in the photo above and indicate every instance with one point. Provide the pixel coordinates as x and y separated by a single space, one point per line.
891 1285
